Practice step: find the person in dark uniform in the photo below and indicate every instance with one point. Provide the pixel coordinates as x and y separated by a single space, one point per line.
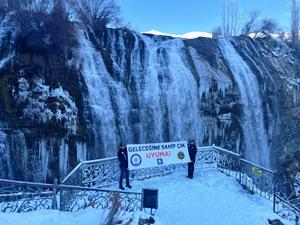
123 160
192 152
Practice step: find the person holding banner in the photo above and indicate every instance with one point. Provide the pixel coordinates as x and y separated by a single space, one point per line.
123 160
192 152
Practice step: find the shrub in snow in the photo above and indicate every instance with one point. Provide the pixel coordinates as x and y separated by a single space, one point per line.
66 111
42 105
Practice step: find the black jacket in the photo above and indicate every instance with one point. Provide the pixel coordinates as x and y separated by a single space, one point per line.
192 152
123 158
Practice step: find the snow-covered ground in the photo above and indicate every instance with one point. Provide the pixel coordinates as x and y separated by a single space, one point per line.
211 198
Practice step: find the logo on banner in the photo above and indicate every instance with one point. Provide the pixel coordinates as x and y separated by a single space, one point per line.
160 161
180 155
136 160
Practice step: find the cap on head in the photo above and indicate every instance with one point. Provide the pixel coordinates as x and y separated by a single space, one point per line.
122 145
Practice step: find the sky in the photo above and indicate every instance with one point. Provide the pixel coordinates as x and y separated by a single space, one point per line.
183 16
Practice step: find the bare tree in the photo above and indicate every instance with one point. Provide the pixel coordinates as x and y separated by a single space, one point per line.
36 5
230 18
217 32
251 23
268 26
95 13
27 5
294 22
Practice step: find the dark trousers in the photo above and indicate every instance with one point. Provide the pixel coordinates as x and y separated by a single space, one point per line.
191 169
124 172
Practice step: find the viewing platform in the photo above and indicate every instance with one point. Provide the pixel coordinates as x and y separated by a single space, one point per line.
224 184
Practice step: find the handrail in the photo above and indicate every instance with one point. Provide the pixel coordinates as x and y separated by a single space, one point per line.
30 196
98 160
205 148
61 186
72 172
85 163
288 203
226 151
260 167
26 183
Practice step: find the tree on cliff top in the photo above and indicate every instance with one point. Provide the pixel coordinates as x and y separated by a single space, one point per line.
251 22
26 5
217 32
95 13
294 22
268 26
230 18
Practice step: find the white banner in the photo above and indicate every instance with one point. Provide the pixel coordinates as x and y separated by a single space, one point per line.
157 154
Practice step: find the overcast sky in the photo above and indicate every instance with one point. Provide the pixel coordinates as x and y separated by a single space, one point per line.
182 16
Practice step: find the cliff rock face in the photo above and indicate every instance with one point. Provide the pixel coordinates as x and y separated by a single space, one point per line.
70 94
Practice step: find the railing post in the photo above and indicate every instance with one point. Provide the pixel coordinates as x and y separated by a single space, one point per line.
54 201
297 220
218 156
240 170
274 192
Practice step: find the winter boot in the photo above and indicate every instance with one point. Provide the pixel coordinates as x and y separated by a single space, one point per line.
121 187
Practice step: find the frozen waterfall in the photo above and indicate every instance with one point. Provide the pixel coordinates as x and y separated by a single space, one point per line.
255 136
162 103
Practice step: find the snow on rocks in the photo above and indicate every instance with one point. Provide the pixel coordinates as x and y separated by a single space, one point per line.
41 104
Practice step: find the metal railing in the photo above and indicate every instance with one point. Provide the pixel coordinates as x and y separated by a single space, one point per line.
257 179
287 196
253 178
105 172
83 187
16 196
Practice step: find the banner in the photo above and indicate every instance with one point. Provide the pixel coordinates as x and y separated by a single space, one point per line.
157 154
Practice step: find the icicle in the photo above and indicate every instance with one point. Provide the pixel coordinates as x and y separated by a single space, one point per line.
63 158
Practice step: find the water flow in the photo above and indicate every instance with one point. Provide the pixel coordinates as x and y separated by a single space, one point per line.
108 99
161 97
81 151
151 111
63 158
99 99
152 94
7 30
43 159
6 170
255 136
207 76
169 94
